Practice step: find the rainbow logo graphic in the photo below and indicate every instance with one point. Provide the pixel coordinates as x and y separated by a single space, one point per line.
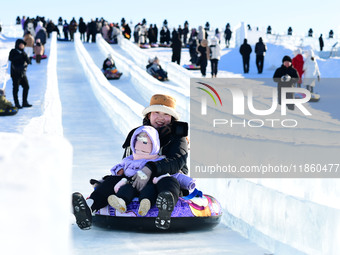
209 93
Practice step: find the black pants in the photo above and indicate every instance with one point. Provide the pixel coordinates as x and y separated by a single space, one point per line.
203 66
259 63
66 35
176 58
246 63
17 81
288 96
127 192
214 66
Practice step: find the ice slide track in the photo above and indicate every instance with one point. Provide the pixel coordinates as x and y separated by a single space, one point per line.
145 83
117 104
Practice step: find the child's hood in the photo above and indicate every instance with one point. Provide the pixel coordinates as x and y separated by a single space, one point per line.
153 135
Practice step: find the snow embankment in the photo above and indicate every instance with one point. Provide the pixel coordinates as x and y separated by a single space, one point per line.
286 216
35 169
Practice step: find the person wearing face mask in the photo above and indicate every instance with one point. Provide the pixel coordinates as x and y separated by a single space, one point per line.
162 115
286 76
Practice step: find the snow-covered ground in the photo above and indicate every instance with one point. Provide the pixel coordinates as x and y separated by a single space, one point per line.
77 124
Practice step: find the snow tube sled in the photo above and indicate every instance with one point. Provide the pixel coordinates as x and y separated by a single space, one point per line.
164 45
63 40
145 46
160 77
154 45
9 111
114 41
191 67
42 56
112 74
314 97
193 212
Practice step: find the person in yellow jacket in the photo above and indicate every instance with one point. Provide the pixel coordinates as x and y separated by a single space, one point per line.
6 107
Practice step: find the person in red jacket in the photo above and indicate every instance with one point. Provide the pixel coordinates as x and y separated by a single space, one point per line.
297 63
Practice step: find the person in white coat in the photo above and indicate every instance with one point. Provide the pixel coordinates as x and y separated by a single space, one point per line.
215 55
311 71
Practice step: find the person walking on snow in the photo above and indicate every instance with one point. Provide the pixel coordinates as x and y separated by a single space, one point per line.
19 62
176 46
245 51
214 56
321 43
203 54
311 71
260 51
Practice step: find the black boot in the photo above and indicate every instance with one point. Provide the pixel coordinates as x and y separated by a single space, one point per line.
17 105
16 102
26 104
81 211
165 204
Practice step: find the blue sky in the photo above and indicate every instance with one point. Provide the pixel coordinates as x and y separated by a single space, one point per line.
299 14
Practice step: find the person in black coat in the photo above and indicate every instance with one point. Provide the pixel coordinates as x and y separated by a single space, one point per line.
185 34
321 42
260 51
245 51
162 35
176 46
82 29
286 76
227 35
19 62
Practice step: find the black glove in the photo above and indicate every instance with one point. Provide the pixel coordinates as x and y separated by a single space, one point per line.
141 178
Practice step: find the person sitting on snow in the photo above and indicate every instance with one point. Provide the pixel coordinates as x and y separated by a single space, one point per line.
6 107
156 70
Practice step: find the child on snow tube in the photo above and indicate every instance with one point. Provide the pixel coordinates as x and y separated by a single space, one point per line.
109 68
145 146
6 107
155 69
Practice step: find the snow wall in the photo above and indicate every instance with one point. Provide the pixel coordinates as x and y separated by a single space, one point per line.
36 180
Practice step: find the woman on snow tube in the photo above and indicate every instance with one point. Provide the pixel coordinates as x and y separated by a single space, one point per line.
160 114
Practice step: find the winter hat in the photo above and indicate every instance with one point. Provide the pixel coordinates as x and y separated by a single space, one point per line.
145 143
162 103
286 58
18 42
